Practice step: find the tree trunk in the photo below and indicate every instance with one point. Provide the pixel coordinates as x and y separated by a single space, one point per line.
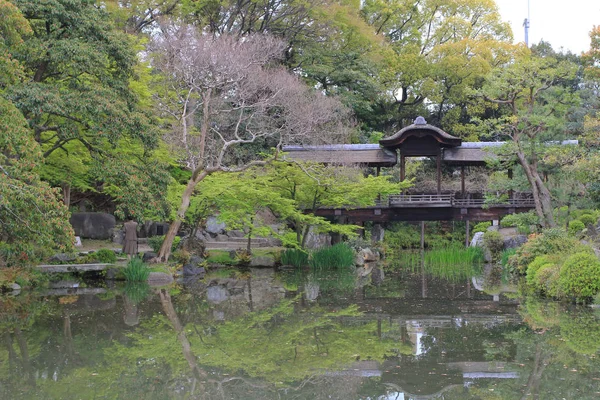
165 249
541 194
249 243
66 189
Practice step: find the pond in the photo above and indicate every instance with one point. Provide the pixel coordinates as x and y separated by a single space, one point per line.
265 334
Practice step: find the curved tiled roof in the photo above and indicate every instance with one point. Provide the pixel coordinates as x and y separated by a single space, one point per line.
421 129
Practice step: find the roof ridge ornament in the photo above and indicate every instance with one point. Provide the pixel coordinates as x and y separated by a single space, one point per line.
420 121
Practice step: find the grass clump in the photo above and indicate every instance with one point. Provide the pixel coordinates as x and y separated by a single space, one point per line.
221 257
136 270
294 257
336 256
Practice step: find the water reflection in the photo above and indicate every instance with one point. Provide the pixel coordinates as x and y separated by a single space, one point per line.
302 335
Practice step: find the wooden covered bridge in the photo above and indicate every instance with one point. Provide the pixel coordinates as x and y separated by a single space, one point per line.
417 140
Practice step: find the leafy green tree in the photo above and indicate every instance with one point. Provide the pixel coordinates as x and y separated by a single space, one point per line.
533 96
31 216
78 98
312 186
437 51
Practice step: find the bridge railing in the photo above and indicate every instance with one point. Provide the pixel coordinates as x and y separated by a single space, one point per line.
420 198
424 200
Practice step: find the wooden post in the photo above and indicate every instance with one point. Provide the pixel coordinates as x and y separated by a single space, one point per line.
510 176
467 238
402 167
439 171
422 235
462 181
378 170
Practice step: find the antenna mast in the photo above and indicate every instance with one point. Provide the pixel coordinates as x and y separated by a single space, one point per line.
526 26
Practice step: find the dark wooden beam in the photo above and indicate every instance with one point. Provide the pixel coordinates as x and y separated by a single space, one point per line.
467 234
462 181
402 167
439 171
510 176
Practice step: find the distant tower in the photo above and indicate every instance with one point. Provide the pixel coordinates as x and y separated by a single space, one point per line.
526 26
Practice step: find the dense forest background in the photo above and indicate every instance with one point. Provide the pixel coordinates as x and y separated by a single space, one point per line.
127 106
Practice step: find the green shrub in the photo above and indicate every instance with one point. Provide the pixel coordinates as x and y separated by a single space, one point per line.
105 256
481 227
580 276
294 257
521 221
588 219
547 280
136 270
336 256
551 241
155 242
494 242
533 268
181 256
575 226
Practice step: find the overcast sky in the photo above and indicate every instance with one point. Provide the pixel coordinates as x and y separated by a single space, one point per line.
563 23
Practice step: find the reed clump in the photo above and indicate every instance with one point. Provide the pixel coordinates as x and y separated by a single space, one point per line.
136 270
337 256
294 257
451 263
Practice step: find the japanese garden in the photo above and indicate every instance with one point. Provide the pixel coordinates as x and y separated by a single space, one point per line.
298 199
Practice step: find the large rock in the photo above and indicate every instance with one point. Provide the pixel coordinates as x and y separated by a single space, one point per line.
148 255
190 270
213 226
91 225
193 246
117 235
377 233
513 242
316 240
477 240
262 261
365 256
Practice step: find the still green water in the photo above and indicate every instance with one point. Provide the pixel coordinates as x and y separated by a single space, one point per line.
291 335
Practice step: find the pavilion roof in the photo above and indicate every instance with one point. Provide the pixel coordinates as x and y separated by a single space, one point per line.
420 129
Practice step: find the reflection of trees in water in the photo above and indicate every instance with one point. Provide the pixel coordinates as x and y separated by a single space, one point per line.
289 350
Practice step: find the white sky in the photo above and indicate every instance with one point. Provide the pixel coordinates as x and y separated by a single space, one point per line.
562 23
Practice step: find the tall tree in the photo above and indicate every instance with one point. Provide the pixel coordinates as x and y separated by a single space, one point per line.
224 94
77 95
31 215
533 96
437 50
